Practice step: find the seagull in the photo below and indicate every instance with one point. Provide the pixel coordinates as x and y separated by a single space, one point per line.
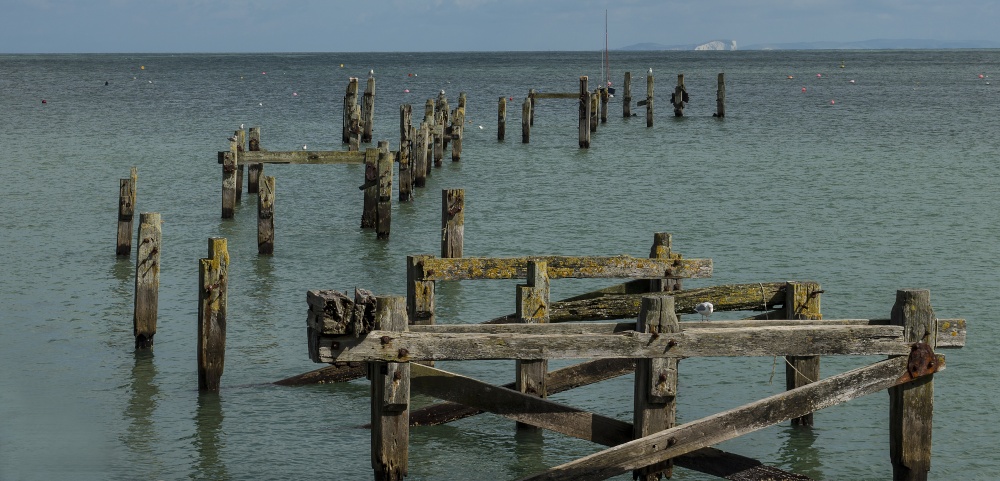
304 147
650 71
232 138
480 127
705 309
241 126
371 73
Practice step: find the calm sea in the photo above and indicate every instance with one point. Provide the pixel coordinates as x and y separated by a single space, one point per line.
869 178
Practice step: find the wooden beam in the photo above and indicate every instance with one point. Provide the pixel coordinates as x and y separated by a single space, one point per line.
579 267
729 424
760 341
557 95
300 157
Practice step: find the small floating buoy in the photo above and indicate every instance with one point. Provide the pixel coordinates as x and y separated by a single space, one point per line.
142 67
790 77
803 89
512 98
45 101
105 82
819 75
341 65
406 91
263 73
260 104
832 102
980 75
295 94
852 80
409 74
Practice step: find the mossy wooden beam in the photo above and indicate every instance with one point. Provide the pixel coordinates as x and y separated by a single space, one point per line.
556 95
300 157
579 267
757 341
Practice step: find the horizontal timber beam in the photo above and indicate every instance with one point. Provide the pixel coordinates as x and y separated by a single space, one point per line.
300 157
556 95
756 341
440 269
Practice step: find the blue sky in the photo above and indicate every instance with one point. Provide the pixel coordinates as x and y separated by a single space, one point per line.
57 26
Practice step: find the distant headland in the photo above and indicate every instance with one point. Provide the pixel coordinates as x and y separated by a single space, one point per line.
877 44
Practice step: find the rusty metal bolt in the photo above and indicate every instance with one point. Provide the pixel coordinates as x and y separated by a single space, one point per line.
671 343
385 340
403 352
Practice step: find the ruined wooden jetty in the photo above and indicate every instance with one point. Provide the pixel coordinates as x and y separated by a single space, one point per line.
397 334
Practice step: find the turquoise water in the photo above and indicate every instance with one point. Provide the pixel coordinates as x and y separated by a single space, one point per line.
891 186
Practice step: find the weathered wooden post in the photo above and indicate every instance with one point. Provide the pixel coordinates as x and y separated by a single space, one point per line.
584 114
390 399
627 96
420 156
720 97
126 213
655 382
383 208
531 111
234 147
457 131
228 184
370 188
405 149
254 172
452 222
501 118
350 101
213 282
354 140
368 109
911 405
533 307
440 124
594 111
254 143
680 96
663 249
419 292
526 121
265 217
604 105
649 98
147 279
801 302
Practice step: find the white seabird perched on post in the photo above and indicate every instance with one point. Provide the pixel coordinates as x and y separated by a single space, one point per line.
650 71
705 309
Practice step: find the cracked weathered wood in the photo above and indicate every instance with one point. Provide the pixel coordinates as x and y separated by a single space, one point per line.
147 279
559 267
655 386
452 222
911 405
802 301
584 113
729 424
126 213
390 403
213 281
265 216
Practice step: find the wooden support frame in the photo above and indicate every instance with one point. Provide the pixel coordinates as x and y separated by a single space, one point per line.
390 397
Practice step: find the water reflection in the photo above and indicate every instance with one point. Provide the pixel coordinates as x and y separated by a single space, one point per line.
798 453
208 440
529 444
141 436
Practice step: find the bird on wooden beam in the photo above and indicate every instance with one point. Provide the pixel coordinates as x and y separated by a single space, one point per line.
705 309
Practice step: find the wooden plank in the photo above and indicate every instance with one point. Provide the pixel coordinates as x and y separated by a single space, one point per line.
579 267
729 424
518 406
300 157
557 95
147 279
760 341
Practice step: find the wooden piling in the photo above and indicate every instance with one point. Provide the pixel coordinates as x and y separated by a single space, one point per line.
526 121
802 303
383 208
604 105
444 119
680 96
390 399
213 281
627 96
370 188
228 184
911 405
147 280
234 147
254 143
254 172
533 307
720 97
457 131
649 99
419 292
126 213
350 101
368 110
265 217
354 132
662 248
452 222
501 118
420 156
655 382
594 111
405 152
531 111
584 114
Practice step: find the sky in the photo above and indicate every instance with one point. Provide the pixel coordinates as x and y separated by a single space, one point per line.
182 26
